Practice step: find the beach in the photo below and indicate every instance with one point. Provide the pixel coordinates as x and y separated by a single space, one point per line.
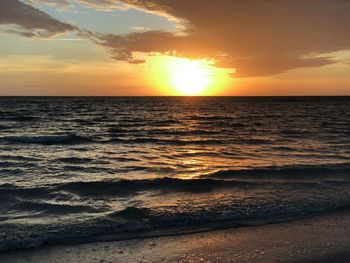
319 239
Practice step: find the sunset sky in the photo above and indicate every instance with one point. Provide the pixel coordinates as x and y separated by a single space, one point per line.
174 47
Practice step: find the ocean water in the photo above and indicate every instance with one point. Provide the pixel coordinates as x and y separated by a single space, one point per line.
76 170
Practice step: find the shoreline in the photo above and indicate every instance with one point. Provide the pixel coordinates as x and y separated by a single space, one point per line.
325 238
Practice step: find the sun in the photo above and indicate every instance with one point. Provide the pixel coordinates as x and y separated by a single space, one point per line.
178 76
190 77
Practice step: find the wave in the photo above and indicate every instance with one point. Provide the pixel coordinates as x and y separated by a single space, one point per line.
4 127
19 118
129 187
189 141
184 132
254 141
286 173
213 118
118 130
47 139
222 179
165 141
72 139
74 160
8 190
19 158
52 208
146 137
124 159
138 222
279 202
122 187
133 187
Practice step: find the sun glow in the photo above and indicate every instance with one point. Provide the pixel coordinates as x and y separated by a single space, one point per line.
185 77
190 77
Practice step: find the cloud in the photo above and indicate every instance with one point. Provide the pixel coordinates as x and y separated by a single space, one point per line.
256 37
104 5
139 28
59 3
101 5
28 21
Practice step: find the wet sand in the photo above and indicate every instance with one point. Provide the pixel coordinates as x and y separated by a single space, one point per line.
320 239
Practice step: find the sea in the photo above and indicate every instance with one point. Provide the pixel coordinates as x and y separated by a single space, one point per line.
91 169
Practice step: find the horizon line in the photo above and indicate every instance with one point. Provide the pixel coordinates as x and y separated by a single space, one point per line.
168 96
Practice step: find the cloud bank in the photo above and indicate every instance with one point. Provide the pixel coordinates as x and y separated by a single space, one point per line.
28 21
256 37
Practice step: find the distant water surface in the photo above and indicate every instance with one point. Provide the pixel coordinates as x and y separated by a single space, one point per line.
92 169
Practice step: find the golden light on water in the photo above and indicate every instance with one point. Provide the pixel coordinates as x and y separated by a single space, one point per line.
185 77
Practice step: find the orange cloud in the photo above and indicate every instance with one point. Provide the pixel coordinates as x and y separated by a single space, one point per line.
256 37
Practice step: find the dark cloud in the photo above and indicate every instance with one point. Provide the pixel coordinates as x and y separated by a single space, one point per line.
29 21
257 37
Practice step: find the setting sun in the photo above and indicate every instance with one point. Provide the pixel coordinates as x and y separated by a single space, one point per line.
190 77
174 76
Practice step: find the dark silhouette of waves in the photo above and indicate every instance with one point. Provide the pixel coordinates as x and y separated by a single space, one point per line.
48 139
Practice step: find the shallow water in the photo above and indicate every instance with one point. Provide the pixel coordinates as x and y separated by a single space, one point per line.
89 169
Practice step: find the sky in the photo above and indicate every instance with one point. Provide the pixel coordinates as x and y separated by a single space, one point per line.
174 47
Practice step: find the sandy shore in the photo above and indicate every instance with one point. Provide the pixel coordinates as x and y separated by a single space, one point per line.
321 239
